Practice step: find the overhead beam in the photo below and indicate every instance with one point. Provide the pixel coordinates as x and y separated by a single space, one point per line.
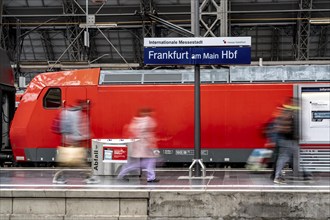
34 14
171 26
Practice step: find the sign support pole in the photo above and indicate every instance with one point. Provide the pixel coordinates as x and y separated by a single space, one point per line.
197 105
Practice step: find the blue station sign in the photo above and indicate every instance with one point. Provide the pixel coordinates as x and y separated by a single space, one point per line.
197 55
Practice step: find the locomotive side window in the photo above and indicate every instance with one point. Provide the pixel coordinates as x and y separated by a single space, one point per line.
53 98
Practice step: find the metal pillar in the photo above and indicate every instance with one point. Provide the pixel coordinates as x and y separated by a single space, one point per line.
197 161
147 7
137 45
76 48
7 42
197 121
275 44
224 18
323 41
48 48
214 18
1 9
18 50
303 32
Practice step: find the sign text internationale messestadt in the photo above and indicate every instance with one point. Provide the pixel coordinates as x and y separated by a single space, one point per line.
197 42
202 50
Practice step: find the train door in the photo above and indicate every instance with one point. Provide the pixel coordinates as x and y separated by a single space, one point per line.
54 99
74 94
44 141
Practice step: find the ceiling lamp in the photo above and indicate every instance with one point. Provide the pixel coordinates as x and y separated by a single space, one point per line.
319 21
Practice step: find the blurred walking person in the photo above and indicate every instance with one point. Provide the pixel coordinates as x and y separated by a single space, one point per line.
271 136
143 153
287 140
74 127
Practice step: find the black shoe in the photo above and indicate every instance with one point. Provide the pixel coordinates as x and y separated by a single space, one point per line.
279 180
153 181
307 178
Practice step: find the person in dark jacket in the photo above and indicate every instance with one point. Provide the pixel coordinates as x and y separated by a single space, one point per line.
271 136
285 127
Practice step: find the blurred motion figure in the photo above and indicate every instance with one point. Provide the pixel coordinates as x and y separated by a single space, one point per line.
271 137
142 153
74 128
285 127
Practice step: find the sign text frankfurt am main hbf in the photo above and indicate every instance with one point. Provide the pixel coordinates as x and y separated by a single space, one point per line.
190 51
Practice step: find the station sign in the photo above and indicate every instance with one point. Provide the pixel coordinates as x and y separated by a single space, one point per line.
197 55
199 50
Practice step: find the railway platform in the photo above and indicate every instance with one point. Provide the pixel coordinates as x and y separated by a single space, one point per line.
28 193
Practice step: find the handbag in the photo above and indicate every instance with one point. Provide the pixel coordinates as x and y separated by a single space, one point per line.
71 156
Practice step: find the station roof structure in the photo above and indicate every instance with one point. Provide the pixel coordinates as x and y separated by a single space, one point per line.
44 35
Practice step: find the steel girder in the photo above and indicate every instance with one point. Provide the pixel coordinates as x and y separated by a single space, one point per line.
46 43
76 50
303 30
214 18
148 27
275 47
323 41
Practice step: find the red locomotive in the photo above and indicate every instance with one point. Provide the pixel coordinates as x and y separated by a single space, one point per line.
232 115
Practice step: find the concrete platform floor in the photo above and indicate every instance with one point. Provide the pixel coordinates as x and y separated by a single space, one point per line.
170 179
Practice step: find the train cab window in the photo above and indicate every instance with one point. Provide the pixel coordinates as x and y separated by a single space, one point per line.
53 98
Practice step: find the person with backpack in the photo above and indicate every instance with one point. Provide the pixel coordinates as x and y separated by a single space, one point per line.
285 126
74 128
